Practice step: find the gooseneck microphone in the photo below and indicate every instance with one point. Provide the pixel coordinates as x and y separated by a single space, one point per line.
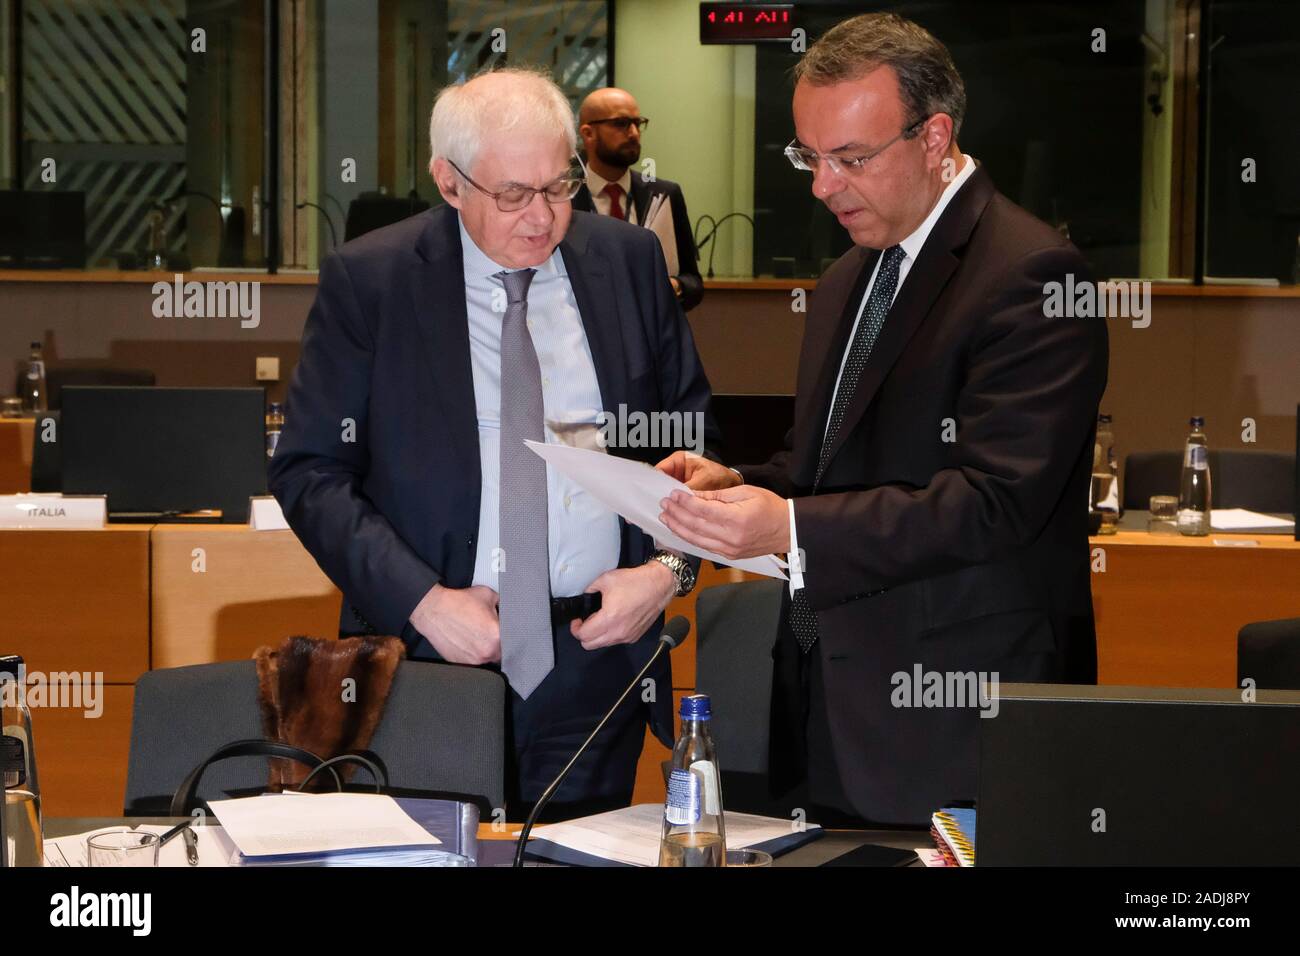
674 633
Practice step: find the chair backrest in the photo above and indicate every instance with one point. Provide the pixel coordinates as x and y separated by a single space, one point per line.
1268 652
47 456
443 729
1256 480
736 628
56 378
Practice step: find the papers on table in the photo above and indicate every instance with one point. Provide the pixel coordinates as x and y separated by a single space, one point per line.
1239 519
631 835
215 848
323 828
659 220
633 490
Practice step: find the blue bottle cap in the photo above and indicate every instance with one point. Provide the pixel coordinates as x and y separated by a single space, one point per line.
695 707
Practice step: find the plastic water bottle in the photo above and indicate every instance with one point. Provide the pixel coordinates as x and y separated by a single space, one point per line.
693 830
274 425
22 844
34 395
1104 495
1194 490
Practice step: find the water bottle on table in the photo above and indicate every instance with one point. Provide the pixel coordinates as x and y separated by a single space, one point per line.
1194 490
693 831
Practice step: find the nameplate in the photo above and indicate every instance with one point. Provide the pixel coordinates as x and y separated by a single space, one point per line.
264 514
81 512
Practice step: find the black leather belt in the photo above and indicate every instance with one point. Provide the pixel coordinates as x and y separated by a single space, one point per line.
565 609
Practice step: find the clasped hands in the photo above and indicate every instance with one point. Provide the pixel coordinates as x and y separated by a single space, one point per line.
464 626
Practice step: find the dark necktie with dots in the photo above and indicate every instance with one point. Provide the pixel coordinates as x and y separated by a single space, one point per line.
803 620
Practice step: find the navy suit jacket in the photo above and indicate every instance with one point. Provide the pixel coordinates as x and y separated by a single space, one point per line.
377 469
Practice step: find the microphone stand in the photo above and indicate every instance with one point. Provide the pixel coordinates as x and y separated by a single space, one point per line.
669 639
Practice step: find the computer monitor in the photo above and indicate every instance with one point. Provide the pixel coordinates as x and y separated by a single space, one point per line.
160 452
1138 776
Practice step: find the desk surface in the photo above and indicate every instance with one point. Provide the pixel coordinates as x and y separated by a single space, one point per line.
816 853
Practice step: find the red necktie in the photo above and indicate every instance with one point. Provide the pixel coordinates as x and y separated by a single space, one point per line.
615 193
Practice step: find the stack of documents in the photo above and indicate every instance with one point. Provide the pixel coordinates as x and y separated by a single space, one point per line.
215 849
630 837
346 829
659 220
1239 519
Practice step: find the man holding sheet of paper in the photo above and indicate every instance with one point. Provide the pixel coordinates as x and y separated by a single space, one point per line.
610 123
934 484
436 347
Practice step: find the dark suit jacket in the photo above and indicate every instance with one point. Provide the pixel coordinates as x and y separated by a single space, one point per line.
688 270
962 555
386 354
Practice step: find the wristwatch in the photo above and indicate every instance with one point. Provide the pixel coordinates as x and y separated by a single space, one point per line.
680 568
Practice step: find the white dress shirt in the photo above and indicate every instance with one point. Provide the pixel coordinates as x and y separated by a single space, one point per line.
911 247
582 536
596 184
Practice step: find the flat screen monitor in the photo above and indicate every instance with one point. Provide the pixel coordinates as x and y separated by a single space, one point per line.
158 453
1138 776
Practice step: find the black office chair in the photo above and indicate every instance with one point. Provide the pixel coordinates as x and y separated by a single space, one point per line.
1255 480
736 628
57 377
1268 652
47 457
443 730
374 210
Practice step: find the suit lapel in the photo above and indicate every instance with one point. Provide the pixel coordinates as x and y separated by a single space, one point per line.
825 338
642 193
438 301
925 281
590 277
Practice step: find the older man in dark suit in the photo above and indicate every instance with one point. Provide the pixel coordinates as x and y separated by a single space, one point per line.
935 480
436 346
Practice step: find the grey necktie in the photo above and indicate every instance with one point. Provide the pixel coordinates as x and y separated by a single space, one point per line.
527 651
803 620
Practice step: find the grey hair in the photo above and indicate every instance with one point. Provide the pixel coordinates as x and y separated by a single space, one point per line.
928 81
464 113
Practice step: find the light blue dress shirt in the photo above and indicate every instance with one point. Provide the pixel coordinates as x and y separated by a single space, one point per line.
583 536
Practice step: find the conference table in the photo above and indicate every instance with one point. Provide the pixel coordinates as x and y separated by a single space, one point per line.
124 599
830 845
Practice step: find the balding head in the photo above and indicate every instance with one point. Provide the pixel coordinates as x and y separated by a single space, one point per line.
608 123
606 103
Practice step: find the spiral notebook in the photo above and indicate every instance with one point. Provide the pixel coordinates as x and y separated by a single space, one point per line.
953 829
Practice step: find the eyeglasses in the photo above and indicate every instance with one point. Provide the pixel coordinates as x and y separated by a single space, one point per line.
515 196
808 160
623 123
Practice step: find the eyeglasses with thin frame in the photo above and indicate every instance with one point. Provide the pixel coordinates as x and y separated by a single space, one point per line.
622 123
515 196
801 157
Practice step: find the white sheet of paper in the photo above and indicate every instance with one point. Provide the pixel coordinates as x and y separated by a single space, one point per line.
1231 519
659 220
633 490
631 835
317 823
215 848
